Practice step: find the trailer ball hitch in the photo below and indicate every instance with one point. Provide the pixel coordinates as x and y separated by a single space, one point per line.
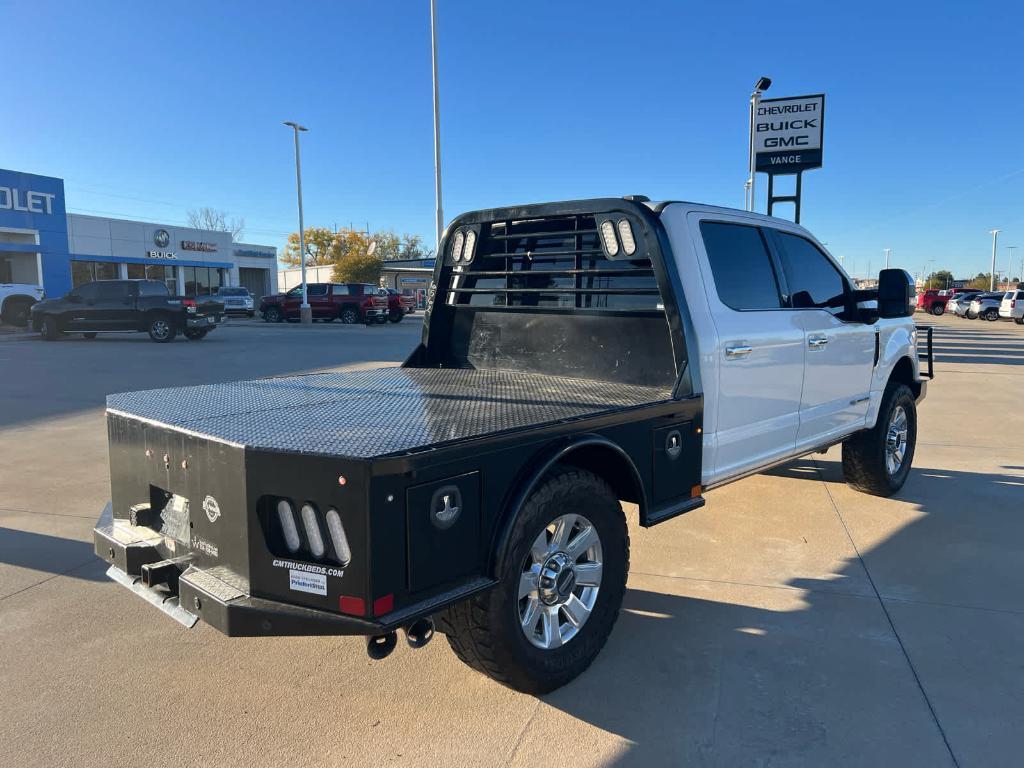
420 632
380 646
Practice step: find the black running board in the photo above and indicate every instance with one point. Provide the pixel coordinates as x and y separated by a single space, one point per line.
661 514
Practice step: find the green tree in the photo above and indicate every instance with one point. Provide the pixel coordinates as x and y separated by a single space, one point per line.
942 278
356 261
321 248
981 282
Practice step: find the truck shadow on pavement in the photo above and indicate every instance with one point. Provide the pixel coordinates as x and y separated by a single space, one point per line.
49 554
810 671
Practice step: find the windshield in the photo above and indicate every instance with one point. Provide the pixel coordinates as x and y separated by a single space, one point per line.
232 291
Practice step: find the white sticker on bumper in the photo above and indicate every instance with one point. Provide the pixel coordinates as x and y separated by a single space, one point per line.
301 581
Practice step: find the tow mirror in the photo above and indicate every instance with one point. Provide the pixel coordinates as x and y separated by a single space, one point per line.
895 293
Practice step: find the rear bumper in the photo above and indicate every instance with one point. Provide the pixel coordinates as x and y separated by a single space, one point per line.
205 321
202 594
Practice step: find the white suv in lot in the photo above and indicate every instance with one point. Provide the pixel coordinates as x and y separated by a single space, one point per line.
15 301
1012 306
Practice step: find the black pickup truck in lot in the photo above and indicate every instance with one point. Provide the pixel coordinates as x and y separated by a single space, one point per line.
574 355
120 306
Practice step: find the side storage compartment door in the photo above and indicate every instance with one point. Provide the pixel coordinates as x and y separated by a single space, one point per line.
443 527
675 472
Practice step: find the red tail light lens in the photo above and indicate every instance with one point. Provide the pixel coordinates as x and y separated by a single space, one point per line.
189 304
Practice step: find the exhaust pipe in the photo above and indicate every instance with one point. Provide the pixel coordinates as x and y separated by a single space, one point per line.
420 632
380 646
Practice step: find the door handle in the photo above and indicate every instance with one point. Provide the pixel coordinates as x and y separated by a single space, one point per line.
738 351
817 342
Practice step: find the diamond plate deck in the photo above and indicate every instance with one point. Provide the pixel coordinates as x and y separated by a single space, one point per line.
363 414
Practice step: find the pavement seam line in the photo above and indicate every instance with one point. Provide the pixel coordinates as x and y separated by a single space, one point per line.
49 578
888 618
784 587
522 733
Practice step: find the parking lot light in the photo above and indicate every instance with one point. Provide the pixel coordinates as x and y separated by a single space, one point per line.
305 313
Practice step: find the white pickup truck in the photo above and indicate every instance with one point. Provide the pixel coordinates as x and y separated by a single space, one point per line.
15 302
573 355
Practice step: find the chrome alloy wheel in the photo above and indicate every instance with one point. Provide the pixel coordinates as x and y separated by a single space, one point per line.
896 440
161 329
560 580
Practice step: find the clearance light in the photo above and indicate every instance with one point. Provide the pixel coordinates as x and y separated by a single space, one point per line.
626 233
467 255
338 537
287 518
313 535
457 246
611 245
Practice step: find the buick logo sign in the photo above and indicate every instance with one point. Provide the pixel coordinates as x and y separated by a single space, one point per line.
445 507
211 508
161 238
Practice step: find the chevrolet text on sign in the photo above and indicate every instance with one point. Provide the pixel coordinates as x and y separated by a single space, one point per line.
788 133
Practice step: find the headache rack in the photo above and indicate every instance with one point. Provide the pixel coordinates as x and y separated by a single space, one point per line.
556 263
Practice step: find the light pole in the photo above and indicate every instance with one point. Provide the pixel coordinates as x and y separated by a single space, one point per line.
1009 266
763 84
439 224
887 252
992 274
305 313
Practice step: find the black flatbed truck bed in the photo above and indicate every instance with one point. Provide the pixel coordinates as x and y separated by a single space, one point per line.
378 413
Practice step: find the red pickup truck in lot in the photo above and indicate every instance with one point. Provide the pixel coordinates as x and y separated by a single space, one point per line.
399 305
933 300
348 302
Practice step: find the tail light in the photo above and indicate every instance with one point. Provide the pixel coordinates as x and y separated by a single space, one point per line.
189 304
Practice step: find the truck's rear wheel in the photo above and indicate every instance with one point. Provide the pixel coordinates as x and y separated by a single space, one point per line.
938 309
562 580
877 461
161 329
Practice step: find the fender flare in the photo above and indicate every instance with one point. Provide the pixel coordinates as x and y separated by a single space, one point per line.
528 481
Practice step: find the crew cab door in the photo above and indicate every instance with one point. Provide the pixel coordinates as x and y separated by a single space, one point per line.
759 354
840 348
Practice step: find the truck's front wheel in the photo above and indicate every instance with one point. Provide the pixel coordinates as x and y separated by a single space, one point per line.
877 461
563 576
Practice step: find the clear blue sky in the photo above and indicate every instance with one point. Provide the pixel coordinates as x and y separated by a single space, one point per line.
149 109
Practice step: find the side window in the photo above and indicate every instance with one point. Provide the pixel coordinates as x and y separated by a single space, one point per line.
112 290
316 289
152 288
812 279
88 292
296 291
341 290
744 276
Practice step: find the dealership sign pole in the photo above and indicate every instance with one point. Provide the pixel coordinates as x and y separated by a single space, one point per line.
787 140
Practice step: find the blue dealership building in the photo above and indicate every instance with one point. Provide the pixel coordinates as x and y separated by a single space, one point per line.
42 244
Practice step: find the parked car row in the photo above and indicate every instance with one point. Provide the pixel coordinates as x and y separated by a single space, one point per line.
347 302
986 305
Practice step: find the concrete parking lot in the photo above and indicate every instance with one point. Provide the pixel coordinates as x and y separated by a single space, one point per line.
791 621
